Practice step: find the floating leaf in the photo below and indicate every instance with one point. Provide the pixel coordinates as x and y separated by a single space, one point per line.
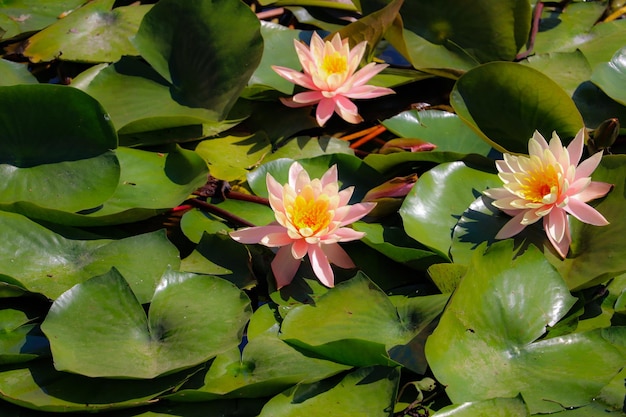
92 33
31 15
610 77
56 147
45 262
360 324
364 392
39 386
211 76
487 345
500 407
14 73
507 102
192 319
563 29
590 243
434 205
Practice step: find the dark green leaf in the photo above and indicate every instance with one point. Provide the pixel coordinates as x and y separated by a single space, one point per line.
192 319
184 43
507 102
56 148
486 344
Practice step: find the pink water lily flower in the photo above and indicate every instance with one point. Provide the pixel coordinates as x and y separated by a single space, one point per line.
310 219
330 72
548 184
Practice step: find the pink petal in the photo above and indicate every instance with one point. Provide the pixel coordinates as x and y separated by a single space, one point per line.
366 73
586 167
308 97
336 255
540 140
288 101
325 109
299 248
555 224
273 240
594 190
575 148
355 56
561 247
294 172
512 227
336 42
585 213
345 195
251 235
284 267
355 212
316 46
321 266
345 234
367 91
329 176
347 110
497 193
275 190
295 77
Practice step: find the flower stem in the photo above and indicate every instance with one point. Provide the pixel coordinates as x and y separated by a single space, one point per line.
211 208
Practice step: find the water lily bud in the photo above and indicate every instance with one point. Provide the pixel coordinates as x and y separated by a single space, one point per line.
404 144
604 136
389 195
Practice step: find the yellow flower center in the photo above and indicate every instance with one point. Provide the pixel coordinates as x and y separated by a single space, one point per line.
309 216
334 63
536 185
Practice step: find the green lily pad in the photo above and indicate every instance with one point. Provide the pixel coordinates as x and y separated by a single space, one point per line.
14 73
500 407
487 343
184 43
92 33
192 319
395 244
277 41
581 268
603 41
434 205
552 65
506 102
218 254
351 171
436 59
23 16
20 340
266 367
611 76
39 386
149 184
481 29
47 263
139 100
564 31
57 146
231 157
364 392
360 324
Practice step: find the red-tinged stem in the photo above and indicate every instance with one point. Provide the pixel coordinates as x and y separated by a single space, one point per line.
533 33
368 137
211 208
182 207
359 134
269 14
234 195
